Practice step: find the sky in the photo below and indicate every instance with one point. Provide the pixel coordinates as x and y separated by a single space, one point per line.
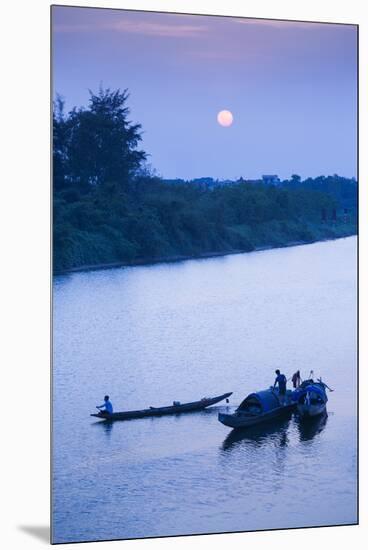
291 88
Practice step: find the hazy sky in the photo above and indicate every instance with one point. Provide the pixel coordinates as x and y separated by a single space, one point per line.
290 86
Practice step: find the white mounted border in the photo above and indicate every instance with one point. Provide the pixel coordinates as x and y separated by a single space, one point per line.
25 282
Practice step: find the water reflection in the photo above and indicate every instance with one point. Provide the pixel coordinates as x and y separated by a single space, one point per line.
275 430
309 428
106 426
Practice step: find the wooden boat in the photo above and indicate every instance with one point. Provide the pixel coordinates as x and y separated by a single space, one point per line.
176 408
258 407
311 399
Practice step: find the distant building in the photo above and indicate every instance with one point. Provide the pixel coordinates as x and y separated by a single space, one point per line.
272 179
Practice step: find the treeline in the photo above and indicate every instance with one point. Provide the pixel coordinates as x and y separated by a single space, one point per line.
109 207
344 190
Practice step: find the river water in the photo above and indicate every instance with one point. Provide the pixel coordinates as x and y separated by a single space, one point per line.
153 334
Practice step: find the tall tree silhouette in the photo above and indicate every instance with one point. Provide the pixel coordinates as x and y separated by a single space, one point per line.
97 145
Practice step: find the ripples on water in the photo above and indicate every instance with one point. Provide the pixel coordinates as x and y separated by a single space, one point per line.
149 335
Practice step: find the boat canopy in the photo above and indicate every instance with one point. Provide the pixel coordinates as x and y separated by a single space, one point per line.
266 399
317 389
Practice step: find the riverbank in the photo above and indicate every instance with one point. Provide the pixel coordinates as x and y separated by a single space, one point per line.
212 254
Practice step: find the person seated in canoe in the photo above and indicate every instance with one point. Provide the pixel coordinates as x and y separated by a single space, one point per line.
106 406
280 380
296 379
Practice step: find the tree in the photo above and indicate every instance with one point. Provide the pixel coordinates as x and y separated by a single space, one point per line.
97 145
59 151
295 178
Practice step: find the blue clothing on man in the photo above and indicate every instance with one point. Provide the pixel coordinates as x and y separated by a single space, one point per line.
281 382
107 405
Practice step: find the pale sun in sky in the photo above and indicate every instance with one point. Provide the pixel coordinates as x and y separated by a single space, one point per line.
225 118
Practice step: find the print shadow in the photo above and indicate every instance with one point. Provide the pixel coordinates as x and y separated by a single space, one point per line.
40 532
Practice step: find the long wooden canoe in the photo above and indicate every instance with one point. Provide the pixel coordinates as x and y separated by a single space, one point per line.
160 411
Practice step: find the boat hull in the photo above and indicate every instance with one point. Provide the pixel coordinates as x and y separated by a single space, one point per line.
162 411
243 420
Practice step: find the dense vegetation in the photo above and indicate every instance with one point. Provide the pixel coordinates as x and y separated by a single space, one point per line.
109 207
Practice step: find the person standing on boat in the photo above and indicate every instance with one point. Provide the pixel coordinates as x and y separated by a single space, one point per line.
281 382
296 379
106 406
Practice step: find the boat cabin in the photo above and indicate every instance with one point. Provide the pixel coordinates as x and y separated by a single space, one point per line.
260 402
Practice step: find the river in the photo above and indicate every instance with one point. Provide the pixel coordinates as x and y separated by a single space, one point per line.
149 335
